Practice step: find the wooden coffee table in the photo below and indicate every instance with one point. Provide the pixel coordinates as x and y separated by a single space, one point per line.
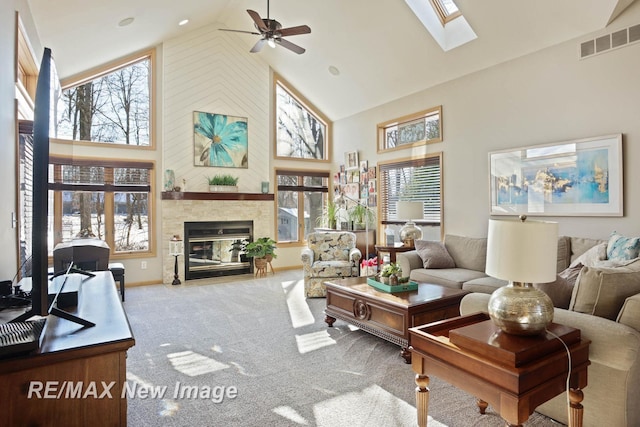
386 315
512 374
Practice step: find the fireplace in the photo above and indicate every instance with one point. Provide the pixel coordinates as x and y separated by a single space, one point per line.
212 248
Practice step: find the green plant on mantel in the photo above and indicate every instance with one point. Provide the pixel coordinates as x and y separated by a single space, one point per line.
223 179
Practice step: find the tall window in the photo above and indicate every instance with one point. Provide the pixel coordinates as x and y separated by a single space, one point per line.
111 107
301 197
108 199
302 132
418 180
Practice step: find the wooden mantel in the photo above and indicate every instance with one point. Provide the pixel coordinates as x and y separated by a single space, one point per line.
182 195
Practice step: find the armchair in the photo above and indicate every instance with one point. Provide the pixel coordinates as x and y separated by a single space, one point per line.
328 255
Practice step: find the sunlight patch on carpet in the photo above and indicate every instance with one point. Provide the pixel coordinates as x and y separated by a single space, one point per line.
168 407
313 341
291 414
194 364
299 310
373 406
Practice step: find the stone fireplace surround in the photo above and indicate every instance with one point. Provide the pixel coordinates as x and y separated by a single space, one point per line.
181 207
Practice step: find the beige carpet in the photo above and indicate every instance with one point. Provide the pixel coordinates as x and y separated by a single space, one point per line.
255 352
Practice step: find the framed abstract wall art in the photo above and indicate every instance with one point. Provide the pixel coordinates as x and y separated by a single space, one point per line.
220 140
572 178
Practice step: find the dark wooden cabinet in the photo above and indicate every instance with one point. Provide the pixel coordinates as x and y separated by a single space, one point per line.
70 354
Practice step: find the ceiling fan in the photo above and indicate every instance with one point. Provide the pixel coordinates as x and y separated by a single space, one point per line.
272 32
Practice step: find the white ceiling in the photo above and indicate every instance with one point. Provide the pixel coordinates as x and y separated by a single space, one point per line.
381 49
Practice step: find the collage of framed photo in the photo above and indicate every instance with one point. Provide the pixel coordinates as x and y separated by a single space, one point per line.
357 180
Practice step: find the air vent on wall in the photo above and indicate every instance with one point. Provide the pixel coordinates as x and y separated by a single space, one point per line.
611 41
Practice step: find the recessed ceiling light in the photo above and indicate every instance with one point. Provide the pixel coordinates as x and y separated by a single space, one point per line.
126 21
183 22
334 71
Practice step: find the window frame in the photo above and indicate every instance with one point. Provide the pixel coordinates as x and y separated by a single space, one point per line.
108 187
307 105
100 71
442 12
383 196
420 115
301 189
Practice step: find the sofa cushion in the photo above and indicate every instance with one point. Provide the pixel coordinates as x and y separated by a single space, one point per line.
561 289
592 256
564 253
620 247
485 285
434 254
630 313
448 277
580 245
331 269
467 252
602 291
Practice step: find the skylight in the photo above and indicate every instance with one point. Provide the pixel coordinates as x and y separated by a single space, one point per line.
444 22
446 10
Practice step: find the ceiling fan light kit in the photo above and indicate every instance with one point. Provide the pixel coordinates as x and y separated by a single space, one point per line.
272 32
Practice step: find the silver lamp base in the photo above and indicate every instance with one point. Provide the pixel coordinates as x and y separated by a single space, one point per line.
521 309
409 233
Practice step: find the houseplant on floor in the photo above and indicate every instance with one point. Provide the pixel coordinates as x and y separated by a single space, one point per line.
262 251
223 183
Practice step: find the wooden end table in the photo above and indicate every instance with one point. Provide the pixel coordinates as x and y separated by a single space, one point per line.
512 374
391 250
389 315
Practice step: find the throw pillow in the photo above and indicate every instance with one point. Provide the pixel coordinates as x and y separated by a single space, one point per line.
561 289
602 291
434 254
592 256
620 247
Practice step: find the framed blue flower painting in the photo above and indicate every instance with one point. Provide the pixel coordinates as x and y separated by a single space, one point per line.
220 140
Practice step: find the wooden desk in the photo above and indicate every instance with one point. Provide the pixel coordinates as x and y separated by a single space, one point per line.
69 352
515 389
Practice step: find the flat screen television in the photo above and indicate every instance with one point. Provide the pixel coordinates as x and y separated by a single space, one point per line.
47 93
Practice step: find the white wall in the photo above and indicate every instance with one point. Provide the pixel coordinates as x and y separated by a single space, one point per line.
8 238
549 96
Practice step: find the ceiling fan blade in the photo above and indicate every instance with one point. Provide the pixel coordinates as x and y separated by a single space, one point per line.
258 46
292 31
240 31
256 18
292 47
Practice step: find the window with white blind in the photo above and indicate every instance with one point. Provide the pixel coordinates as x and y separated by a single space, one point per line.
110 199
416 180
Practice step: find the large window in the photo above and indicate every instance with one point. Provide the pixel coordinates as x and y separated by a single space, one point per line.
302 132
301 197
108 199
110 107
418 180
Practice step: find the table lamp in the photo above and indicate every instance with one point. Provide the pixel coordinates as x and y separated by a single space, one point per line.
409 211
522 252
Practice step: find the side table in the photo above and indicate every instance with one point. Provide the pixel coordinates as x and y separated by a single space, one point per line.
391 250
512 374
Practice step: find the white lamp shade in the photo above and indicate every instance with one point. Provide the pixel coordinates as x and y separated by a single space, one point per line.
522 251
409 211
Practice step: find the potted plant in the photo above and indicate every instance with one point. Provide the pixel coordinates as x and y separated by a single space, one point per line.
329 216
360 215
389 270
223 183
261 250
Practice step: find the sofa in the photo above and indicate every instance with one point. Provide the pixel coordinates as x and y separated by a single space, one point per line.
603 302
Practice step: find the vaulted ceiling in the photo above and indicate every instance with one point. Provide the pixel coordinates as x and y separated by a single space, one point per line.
380 48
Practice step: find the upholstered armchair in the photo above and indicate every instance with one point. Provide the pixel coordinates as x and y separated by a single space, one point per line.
328 255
